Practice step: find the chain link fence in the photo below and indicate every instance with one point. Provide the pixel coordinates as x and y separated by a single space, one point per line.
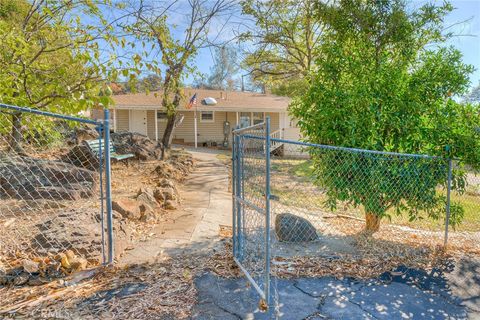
249 205
320 207
53 196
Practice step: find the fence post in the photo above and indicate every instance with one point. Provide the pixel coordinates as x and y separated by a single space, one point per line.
102 199
239 194
267 210
108 184
449 189
234 193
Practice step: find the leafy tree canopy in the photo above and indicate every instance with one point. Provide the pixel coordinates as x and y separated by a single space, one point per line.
285 37
379 84
50 57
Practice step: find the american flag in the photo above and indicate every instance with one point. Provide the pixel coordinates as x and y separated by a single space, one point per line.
193 101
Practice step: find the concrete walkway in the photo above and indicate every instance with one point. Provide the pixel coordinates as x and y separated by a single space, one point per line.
194 228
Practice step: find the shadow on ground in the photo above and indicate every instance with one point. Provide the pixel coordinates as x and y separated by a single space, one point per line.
402 294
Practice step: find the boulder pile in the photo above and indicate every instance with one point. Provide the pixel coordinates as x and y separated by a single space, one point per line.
148 203
141 146
82 156
177 167
67 242
38 271
30 178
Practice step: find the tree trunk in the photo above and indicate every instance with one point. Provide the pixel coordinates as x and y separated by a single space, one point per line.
16 138
167 135
372 222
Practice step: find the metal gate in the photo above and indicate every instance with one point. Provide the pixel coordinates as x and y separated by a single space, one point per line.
251 205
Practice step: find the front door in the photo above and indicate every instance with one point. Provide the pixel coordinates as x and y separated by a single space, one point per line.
138 121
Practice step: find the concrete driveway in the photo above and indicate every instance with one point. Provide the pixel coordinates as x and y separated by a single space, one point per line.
402 294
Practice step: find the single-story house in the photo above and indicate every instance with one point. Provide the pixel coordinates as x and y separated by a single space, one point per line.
142 113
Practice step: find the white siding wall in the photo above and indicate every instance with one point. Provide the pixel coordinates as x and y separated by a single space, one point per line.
207 131
274 120
122 120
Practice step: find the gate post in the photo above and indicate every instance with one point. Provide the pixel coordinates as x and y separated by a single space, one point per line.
238 190
267 210
234 193
108 184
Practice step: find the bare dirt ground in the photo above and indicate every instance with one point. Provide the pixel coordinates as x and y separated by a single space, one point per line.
154 277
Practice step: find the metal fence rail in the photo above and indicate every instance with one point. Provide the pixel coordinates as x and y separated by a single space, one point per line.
54 195
297 201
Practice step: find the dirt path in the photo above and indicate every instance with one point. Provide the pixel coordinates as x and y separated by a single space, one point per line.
194 228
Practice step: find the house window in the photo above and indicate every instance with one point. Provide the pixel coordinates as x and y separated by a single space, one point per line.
207 116
162 116
244 119
257 117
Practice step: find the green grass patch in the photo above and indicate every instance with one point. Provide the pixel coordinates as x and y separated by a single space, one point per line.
296 191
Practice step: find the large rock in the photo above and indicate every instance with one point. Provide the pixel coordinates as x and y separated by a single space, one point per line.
166 183
141 146
158 195
85 133
146 196
170 205
128 208
292 228
169 193
82 156
30 179
78 230
148 203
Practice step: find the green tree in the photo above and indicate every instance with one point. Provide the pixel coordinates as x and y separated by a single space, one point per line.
151 82
285 36
380 84
50 58
225 66
176 45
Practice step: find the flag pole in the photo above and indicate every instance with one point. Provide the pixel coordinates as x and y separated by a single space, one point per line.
195 126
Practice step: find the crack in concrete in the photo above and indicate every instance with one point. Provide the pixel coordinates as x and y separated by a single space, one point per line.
316 314
236 315
323 298
361 308
295 284
359 304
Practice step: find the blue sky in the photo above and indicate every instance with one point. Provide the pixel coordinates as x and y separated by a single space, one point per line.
468 41
464 21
